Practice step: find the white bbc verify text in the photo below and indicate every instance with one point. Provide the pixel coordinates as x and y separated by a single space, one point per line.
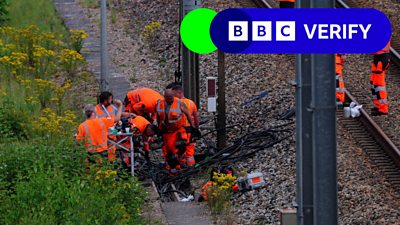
332 31
286 31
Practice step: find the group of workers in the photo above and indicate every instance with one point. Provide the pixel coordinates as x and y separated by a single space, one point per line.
380 65
171 115
176 118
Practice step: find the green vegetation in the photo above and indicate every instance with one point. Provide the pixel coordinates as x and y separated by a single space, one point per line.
44 178
42 183
219 196
90 3
3 11
41 13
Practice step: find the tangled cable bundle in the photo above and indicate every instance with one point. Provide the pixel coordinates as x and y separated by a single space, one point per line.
242 148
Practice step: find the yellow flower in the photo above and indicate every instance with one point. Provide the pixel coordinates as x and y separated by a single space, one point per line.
39 52
69 55
77 35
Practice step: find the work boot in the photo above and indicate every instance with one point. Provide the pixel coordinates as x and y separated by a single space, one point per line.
339 104
375 112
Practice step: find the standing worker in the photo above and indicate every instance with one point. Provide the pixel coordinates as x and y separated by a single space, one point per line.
172 114
286 4
380 65
94 131
105 108
142 101
190 148
340 89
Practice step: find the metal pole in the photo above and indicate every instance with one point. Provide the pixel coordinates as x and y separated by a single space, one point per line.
185 60
197 80
190 60
104 49
324 133
221 108
304 135
192 76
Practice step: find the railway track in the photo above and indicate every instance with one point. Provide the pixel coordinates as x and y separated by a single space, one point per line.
381 149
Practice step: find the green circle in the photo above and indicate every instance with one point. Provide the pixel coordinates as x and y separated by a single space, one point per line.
195 31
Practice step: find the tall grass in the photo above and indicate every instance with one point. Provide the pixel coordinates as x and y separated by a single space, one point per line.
41 13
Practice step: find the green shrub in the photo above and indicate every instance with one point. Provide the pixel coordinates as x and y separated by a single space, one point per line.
45 183
14 123
3 11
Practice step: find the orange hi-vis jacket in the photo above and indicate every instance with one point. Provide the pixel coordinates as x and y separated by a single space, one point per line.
170 118
206 187
386 49
287 0
101 111
143 98
140 123
93 132
191 107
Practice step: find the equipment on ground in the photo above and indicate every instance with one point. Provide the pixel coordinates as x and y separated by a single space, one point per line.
251 181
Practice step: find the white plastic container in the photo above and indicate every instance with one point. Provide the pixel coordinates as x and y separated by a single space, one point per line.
346 112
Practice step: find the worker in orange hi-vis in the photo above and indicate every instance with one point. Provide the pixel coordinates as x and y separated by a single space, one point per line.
105 108
142 101
380 65
141 126
190 148
286 3
94 131
340 89
172 114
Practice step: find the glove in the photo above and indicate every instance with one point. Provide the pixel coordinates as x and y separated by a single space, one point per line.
147 156
196 132
181 146
172 160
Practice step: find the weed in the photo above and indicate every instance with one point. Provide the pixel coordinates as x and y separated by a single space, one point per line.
90 3
219 198
150 33
113 15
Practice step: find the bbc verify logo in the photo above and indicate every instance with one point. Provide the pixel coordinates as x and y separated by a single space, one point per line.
286 31
263 31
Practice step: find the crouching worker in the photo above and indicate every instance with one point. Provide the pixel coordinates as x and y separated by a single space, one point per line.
142 101
140 126
94 132
172 114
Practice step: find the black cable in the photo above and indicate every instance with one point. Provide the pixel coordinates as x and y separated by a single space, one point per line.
241 148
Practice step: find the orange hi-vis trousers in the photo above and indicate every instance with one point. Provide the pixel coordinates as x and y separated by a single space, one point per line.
378 84
190 150
169 144
340 89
